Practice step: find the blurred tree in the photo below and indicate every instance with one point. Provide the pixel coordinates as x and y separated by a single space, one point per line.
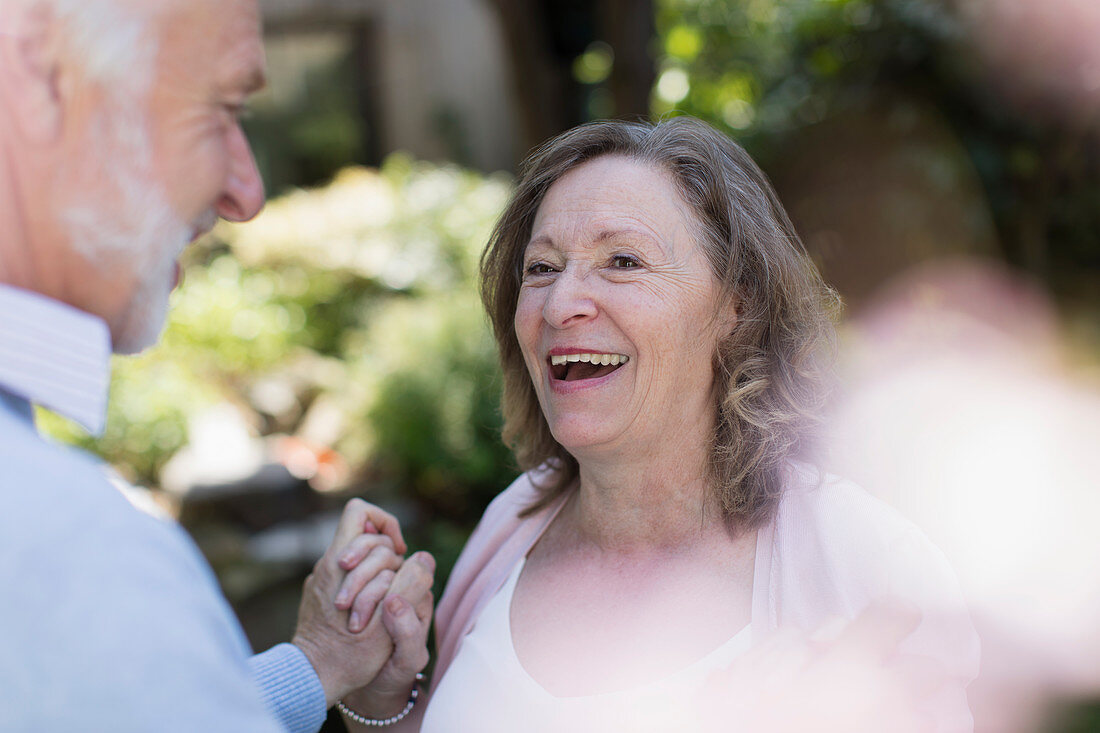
577 60
768 71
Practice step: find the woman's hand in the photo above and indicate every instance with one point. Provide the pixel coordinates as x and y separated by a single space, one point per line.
346 660
406 614
370 562
400 601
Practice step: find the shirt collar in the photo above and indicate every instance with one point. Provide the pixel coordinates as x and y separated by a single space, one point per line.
55 356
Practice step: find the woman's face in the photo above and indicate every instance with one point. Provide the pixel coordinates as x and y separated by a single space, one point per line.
616 287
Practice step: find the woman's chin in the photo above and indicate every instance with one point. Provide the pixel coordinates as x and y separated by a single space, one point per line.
582 439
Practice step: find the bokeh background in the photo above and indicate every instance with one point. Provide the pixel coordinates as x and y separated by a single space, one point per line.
335 346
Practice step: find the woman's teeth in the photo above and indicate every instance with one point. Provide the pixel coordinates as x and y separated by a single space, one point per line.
604 359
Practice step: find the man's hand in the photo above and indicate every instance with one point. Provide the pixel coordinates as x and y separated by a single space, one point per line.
346 660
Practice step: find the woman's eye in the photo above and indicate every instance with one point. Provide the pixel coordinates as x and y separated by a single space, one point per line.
624 262
538 268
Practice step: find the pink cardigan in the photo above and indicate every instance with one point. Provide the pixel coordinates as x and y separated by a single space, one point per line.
831 550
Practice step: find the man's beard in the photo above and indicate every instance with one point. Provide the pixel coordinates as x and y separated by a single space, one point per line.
126 225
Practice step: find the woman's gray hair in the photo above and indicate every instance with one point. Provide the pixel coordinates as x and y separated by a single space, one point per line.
771 372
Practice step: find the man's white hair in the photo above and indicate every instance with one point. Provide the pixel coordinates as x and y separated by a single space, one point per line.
115 40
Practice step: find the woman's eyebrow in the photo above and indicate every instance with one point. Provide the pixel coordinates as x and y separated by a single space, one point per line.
627 233
604 235
647 239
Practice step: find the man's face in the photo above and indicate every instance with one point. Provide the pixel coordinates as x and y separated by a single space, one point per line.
211 61
171 164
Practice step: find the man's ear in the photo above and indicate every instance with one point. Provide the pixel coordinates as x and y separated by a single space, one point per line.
30 72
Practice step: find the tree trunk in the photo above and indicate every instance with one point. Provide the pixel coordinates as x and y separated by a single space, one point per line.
628 27
544 37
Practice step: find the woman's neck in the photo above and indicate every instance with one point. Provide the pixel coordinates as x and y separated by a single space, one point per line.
653 491
638 507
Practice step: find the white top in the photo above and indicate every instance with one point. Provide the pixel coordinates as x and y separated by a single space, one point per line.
54 355
487 690
830 551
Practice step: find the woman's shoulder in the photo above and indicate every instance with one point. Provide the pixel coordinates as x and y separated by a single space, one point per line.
837 539
504 528
835 550
819 504
509 504
500 539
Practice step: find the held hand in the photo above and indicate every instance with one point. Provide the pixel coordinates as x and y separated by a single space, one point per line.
346 660
406 614
368 561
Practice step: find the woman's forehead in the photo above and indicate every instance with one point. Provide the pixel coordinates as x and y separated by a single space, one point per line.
611 197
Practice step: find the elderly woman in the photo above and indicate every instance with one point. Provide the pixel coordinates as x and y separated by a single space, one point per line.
664 340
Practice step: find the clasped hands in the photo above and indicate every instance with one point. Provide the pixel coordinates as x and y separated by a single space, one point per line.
365 613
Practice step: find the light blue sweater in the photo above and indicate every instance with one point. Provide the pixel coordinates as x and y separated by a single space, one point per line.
111 619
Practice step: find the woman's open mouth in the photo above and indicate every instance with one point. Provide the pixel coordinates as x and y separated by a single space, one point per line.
574 367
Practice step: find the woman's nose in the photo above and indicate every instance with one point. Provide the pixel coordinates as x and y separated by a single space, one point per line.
568 301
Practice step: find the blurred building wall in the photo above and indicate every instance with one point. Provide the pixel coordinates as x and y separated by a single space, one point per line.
436 80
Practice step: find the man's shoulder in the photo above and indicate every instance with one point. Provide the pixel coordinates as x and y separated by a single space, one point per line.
22 448
54 491
62 517
107 607
37 472
67 532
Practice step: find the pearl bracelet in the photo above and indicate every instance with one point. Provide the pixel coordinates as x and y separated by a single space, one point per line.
375 723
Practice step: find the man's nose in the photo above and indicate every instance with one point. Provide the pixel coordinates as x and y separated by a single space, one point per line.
243 196
569 300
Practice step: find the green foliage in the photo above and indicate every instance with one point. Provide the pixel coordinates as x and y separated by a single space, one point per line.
1073 717
765 67
766 71
435 413
594 65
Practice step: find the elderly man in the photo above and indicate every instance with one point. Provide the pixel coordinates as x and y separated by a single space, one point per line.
119 145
